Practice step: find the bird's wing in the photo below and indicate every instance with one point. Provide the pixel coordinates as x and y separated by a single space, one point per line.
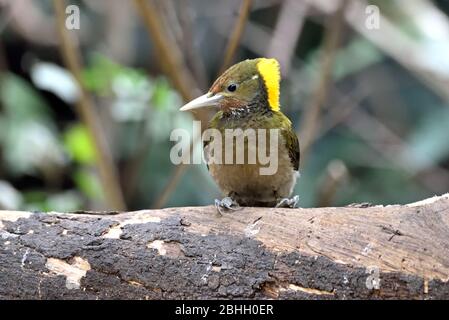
292 144
205 144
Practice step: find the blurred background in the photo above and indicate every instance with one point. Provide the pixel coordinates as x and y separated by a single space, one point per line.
86 113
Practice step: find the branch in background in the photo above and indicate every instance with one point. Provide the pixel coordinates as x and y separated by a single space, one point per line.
176 176
236 35
31 22
86 112
175 68
118 32
254 39
5 15
167 12
171 186
131 171
3 62
378 136
390 146
231 48
179 30
346 104
311 118
408 52
192 55
286 33
396 44
168 52
335 175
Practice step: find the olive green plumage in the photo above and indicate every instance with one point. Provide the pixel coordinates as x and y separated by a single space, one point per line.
292 145
259 117
247 96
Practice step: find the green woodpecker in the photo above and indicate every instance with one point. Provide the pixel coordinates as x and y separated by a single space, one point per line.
247 97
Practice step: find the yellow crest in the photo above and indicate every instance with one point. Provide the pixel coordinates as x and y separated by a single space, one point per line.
269 70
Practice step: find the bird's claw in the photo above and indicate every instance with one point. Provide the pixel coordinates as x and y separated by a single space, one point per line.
288 202
226 203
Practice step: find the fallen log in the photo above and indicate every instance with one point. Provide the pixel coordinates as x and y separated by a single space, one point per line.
355 252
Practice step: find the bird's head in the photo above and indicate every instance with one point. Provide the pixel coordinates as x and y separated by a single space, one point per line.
243 84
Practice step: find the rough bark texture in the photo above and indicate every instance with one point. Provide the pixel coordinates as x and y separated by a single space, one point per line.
254 253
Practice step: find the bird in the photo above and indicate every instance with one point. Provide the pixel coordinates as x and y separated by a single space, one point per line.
247 97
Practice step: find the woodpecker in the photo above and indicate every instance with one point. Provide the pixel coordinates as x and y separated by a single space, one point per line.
247 97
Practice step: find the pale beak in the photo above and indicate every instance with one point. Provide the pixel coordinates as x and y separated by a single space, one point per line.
206 100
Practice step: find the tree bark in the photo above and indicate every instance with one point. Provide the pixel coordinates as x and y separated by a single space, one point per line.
354 252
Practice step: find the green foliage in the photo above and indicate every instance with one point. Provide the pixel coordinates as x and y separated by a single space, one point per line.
65 201
163 96
21 102
49 157
79 145
102 72
88 184
28 135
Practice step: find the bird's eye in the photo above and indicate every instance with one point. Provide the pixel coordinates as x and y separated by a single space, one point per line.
232 87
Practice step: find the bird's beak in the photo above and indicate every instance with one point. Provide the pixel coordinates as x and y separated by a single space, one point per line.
206 100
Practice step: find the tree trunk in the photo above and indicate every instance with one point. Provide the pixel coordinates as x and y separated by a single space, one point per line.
372 252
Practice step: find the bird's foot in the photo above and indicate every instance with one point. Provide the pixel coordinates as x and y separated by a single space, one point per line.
226 203
288 202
